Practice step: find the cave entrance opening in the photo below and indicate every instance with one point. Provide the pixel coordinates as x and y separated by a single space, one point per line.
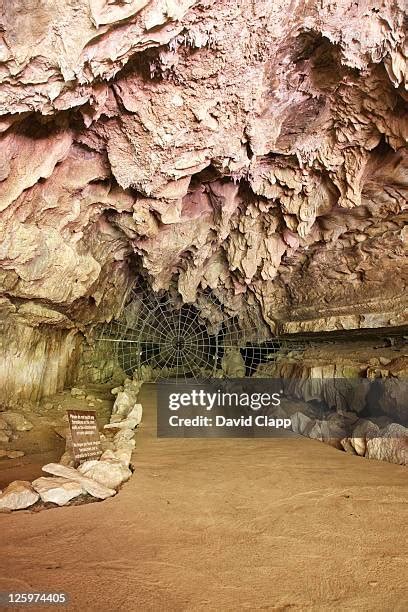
156 338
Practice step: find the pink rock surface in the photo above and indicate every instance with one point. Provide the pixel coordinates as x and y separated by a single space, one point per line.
257 149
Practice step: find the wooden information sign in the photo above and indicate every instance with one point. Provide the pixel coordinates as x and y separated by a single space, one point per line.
86 442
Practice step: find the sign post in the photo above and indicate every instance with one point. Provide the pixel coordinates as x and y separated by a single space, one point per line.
86 442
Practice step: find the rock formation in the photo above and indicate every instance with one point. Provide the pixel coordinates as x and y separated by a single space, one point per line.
256 149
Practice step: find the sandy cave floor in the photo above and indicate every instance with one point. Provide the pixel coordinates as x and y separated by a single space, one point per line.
223 525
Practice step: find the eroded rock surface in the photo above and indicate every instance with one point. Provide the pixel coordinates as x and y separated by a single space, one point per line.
256 149
88 484
57 490
18 495
109 472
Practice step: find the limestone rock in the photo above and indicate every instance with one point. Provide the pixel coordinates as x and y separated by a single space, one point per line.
393 394
67 459
347 446
332 432
123 435
124 455
91 486
123 451
126 398
109 472
240 148
15 454
57 490
392 446
18 495
363 432
302 424
233 364
16 421
131 421
78 393
107 454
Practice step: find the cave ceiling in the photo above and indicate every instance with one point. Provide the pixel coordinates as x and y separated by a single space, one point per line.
257 150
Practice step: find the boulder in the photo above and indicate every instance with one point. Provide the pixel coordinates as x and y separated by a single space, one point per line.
16 421
123 435
332 432
391 446
79 393
18 495
123 451
108 454
126 398
15 454
347 446
110 472
130 422
233 364
364 430
67 459
91 486
390 398
315 432
57 490
302 424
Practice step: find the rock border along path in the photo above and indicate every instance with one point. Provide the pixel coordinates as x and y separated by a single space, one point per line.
101 478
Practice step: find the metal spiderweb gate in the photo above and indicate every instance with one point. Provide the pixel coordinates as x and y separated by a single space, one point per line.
154 339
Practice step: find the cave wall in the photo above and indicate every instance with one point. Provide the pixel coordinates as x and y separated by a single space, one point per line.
37 359
256 149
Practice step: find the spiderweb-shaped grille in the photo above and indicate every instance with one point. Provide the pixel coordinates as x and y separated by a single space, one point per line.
155 339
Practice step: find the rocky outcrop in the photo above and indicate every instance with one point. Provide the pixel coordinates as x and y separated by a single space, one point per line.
256 149
351 395
387 444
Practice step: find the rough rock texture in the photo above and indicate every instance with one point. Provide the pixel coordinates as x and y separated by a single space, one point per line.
344 373
57 490
90 486
392 446
18 495
109 472
361 388
254 148
16 421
